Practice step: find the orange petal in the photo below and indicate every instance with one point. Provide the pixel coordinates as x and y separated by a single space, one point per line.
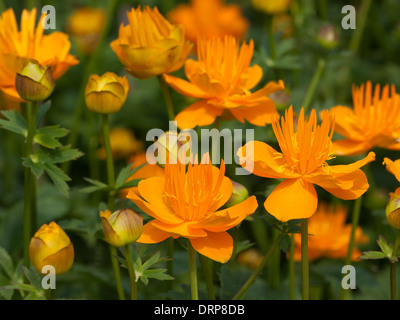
264 161
259 115
198 114
292 199
346 147
184 87
349 168
228 218
182 230
217 246
151 234
393 167
346 123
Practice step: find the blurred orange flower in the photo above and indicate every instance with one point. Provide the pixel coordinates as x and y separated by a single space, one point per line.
373 122
329 235
222 78
393 207
210 18
271 6
302 163
30 43
185 203
85 24
149 45
123 144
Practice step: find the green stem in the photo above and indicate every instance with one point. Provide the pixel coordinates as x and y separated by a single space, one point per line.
208 276
131 270
304 260
193 272
89 69
260 267
2 6
167 97
111 197
354 225
29 180
291 268
313 84
358 32
170 263
271 37
393 265
274 265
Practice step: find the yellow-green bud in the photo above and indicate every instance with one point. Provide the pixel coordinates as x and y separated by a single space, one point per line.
34 82
121 227
239 194
393 209
171 145
328 37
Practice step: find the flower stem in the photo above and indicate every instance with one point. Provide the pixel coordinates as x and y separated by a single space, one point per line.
111 199
304 260
193 272
29 181
393 282
260 267
358 32
354 225
131 270
313 84
291 269
167 98
208 276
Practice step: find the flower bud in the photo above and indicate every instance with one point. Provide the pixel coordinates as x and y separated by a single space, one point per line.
393 209
250 258
328 37
239 194
34 82
106 94
51 246
171 145
271 6
121 227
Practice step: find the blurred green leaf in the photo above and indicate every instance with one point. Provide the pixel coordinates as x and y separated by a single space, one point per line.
14 122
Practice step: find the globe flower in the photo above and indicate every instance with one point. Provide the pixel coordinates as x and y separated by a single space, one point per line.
186 203
172 146
85 25
50 245
34 82
374 121
107 93
222 78
121 227
271 6
209 19
123 144
30 43
149 45
393 207
329 235
302 163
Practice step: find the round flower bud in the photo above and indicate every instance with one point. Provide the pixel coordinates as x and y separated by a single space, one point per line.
51 246
34 82
107 93
239 194
121 227
328 37
171 145
393 209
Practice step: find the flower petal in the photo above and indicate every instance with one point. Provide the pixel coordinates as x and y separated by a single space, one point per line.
217 246
346 123
184 87
259 115
350 147
292 199
198 114
151 234
264 161
182 229
393 167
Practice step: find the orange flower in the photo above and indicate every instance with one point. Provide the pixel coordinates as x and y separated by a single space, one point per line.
149 45
222 78
302 163
374 121
85 24
30 43
329 235
393 207
185 203
210 18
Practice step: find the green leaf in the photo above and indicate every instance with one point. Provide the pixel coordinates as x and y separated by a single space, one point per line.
6 262
158 274
124 174
386 248
14 122
62 154
96 186
285 242
58 177
48 136
42 112
36 168
372 255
